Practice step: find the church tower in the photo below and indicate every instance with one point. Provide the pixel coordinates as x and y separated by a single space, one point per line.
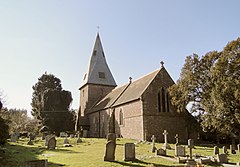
98 81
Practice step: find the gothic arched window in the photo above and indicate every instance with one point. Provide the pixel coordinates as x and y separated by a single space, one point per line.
163 100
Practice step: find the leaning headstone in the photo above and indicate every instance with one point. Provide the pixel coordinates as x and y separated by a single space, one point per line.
161 151
153 138
36 163
215 150
52 143
129 152
190 146
110 147
79 140
222 158
238 146
180 151
165 145
232 150
224 149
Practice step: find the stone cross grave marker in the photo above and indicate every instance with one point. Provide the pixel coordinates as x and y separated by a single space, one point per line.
224 149
165 145
110 147
176 137
190 145
153 138
180 151
129 152
215 150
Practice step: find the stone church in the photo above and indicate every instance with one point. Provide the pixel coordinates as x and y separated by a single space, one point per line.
140 108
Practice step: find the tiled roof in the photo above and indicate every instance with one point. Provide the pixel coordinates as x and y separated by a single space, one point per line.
126 93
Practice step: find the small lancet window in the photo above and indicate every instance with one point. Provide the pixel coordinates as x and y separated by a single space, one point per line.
120 117
94 53
101 75
163 100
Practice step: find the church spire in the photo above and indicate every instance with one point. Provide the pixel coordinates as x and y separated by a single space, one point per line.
98 70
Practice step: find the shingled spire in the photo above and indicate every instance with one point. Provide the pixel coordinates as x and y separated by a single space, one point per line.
98 71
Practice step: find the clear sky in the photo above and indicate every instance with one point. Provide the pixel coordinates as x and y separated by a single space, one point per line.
57 36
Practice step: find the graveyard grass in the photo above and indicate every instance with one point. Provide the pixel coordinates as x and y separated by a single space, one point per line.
90 152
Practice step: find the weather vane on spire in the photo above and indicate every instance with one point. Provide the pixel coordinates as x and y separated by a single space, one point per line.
98 27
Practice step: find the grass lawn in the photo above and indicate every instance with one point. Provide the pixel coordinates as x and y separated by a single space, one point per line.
90 153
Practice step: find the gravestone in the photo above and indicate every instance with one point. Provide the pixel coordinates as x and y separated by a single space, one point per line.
52 143
180 151
47 137
30 141
176 137
85 133
14 137
161 151
110 147
153 138
129 152
79 140
222 158
232 149
36 163
215 150
190 146
63 134
165 145
66 141
238 146
224 149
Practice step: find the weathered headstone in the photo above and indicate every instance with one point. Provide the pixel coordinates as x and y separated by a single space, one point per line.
36 163
110 147
79 140
63 134
180 151
176 137
153 138
47 137
66 141
215 150
222 158
161 151
190 146
165 145
85 133
14 137
129 152
232 149
30 141
224 149
52 143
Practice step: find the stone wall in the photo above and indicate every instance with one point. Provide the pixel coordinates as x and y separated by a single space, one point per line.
90 94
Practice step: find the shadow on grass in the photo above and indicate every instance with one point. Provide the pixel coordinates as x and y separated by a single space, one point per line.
140 164
16 155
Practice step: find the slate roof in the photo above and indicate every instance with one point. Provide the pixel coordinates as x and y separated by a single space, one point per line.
126 93
98 70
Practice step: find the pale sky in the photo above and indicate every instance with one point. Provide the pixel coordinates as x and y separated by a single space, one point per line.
57 36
